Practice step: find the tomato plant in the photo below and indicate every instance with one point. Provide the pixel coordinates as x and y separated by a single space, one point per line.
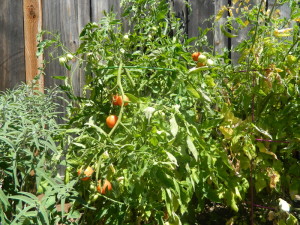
196 132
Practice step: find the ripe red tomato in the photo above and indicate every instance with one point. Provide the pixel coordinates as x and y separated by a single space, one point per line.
111 121
195 56
106 187
120 100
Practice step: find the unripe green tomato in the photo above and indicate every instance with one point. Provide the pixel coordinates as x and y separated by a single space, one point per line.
105 155
210 62
92 187
62 60
69 56
202 58
95 197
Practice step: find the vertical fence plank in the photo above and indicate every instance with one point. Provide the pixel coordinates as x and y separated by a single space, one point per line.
220 40
66 18
12 64
242 35
98 7
32 26
202 10
181 11
285 10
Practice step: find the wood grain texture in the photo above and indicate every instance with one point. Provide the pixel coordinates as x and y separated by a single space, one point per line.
242 34
181 11
98 7
220 40
67 18
12 61
202 10
32 26
285 10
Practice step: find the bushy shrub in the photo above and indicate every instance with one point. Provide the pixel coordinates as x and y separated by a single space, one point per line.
29 157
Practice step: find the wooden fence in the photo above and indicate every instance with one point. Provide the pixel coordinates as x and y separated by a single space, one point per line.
20 20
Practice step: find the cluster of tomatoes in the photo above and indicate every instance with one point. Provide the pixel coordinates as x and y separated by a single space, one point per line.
111 120
202 59
87 174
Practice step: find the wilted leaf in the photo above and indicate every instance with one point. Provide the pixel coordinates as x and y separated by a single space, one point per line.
263 149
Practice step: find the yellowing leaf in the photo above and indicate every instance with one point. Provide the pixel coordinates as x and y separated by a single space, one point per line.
283 32
274 177
231 119
263 149
220 13
297 19
227 132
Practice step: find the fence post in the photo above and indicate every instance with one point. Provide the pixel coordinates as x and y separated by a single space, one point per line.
32 26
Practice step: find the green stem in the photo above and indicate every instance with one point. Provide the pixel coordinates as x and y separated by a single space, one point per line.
122 106
137 67
272 10
294 44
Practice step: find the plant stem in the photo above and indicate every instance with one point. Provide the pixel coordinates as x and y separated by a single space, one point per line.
137 67
272 10
122 106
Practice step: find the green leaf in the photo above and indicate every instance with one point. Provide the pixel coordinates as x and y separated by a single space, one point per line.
192 91
92 124
174 126
7 141
262 131
291 220
260 183
59 77
204 96
23 198
4 200
22 213
132 98
192 148
226 33
172 158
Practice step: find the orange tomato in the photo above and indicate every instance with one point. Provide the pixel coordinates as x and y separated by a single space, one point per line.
111 121
106 187
195 56
115 100
87 173
200 64
120 100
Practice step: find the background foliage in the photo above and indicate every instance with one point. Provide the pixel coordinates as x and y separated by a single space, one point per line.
195 141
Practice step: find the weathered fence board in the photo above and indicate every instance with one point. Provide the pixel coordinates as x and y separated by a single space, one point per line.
242 34
220 40
12 64
98 7
68 17
202 10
